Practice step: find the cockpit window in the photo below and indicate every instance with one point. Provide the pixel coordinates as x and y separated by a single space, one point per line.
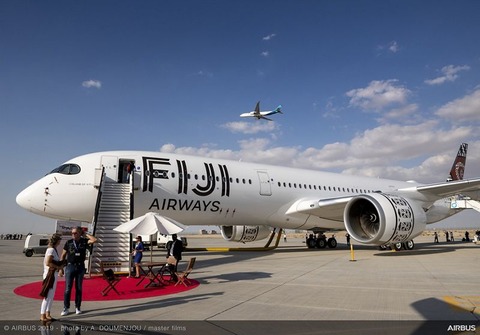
67 169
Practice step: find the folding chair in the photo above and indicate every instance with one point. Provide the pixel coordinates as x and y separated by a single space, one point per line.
111 278
167 272
182 276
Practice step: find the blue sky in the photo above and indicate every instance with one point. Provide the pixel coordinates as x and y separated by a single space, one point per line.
379 88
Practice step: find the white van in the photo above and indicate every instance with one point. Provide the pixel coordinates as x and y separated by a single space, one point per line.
35 244
164 240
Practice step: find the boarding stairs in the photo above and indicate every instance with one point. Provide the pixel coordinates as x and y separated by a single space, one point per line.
472 204
466 203
113 209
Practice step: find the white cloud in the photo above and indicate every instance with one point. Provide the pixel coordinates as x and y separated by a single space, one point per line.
203 73
268 37
393 47
379 152
449 73
417 149
466 108
254 127
405 114
265 53
92 84
378 95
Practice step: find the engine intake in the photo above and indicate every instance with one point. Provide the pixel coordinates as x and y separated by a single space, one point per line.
379 218
244 233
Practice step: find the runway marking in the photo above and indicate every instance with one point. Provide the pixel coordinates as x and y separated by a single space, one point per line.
464 303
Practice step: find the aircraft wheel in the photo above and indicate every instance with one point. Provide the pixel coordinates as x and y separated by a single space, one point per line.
398 246
409 245
332 243
29 253
321 243
310 243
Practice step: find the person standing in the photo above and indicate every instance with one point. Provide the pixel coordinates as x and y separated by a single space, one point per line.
51 268
435 240
74 252
175 250
137 256
347 236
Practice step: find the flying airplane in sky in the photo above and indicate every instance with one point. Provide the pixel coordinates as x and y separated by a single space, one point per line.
262 115
246 200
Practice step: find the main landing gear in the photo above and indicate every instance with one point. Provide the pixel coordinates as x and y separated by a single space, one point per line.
409 245
320 241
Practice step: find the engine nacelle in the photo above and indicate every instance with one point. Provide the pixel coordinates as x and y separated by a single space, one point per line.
244 233
378 218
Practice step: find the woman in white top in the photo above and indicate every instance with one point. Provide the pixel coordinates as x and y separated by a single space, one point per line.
51 261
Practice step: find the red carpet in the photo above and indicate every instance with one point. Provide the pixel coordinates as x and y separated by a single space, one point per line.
92 288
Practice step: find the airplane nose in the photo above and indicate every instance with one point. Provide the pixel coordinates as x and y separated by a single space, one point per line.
23 199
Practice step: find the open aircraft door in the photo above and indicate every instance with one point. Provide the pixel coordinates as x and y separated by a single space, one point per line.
265 186
110 163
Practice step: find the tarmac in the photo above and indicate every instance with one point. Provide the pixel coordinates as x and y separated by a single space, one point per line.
433 289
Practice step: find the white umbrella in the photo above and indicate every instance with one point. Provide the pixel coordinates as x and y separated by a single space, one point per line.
150 224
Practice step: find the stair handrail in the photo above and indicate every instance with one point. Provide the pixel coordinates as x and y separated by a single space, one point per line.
99 198
95 216
131 183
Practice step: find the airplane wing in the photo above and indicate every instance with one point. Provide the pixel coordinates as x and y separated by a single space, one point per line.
332 208
263 117
446 189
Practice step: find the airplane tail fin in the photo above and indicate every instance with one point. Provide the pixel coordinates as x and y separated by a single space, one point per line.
257 108
458 167
279 109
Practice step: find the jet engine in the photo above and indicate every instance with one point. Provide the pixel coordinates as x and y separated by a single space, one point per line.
378 218
244 233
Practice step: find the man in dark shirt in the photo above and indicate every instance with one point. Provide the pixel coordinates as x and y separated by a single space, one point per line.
175 250
74 252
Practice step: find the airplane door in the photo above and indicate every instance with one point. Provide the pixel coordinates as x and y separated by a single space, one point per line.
265 186
110 163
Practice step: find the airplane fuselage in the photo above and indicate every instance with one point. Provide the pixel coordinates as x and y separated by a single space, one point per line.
198 191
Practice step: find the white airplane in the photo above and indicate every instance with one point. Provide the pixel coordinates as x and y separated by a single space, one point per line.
247 200
262 115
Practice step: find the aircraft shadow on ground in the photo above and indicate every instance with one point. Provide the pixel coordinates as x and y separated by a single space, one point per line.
235 276
426 249
460 317
145 306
